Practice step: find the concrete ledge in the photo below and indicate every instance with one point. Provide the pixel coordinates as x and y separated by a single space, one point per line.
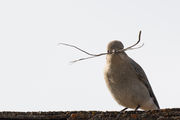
164 114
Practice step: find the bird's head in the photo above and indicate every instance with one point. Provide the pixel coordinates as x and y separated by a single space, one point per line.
115 50
114 46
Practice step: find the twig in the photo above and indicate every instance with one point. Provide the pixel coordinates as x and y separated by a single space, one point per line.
77 48
137 47
96 55
131 47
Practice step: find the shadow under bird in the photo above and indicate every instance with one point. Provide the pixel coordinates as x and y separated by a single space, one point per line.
127 81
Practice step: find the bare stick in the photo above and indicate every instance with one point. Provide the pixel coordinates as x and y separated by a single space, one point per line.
82 59
136 47
130 47
96 55
88 57
77 48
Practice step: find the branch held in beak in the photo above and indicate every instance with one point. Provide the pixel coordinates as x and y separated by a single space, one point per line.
109 52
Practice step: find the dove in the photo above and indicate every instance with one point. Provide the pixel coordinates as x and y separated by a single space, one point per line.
127 81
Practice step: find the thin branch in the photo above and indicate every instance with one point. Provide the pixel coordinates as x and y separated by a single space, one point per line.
130 47
96 55
88 57
77 48
136 47
82 59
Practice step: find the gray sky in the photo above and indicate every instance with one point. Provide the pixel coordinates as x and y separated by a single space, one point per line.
35 73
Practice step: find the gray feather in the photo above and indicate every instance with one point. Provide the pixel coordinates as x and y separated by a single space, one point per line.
143 78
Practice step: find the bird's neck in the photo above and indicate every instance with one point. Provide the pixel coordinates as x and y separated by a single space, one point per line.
116 59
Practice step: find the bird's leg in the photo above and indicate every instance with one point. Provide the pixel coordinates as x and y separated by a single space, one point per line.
124 109
118 116
137 107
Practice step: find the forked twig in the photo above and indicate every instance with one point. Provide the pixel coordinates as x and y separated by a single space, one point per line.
96 55
82 59
77 48
131 47
137 47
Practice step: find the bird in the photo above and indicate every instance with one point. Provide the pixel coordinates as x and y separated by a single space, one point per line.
127 81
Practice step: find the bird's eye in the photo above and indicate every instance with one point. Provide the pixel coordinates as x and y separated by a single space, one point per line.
108 51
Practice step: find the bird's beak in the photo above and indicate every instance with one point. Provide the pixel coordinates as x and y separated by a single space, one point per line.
113 51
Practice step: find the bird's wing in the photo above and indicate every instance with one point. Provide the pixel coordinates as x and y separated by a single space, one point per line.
143 78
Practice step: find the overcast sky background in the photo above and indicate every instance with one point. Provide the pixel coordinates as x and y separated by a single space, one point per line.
35 74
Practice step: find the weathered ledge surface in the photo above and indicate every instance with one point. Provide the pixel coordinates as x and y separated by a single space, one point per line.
164 114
